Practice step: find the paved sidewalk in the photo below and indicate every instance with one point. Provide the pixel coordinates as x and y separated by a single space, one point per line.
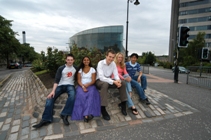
16 121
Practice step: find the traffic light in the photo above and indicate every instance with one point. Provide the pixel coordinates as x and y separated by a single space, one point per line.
205 54
183 36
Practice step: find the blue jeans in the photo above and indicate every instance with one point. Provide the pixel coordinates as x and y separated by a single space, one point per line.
48 112
135 84
143 81
128 90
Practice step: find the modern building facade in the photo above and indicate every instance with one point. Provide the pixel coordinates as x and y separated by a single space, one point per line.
101 38
193 13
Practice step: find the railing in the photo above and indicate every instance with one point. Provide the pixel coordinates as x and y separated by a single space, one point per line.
199 76
145 68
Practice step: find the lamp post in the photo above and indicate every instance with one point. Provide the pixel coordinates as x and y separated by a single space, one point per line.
135 3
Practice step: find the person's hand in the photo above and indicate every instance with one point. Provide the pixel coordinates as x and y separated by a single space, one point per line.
128 79
51 95
84 88
86 85
139 79
118 83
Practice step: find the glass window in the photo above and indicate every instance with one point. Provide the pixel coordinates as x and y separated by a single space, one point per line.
191 36
201 19
208 36
196 11
181 21
191 20
101 38
95 30
101 30
193 3
192 28
107 29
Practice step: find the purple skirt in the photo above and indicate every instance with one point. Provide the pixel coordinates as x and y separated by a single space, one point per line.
86 103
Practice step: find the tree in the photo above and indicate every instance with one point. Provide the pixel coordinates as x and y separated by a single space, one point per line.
147 58
189 56
9 44
27 53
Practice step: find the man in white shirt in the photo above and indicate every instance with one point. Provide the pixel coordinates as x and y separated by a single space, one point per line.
105 69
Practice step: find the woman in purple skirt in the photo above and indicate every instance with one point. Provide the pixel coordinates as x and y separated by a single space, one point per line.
87 102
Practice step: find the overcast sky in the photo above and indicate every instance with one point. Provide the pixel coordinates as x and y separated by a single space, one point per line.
52 22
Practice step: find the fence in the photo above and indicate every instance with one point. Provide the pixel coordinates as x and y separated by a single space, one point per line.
145 68
199 76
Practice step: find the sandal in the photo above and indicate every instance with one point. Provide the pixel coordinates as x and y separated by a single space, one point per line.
134 110
88 118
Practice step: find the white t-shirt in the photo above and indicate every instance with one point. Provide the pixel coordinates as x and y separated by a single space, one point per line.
87 77
67 76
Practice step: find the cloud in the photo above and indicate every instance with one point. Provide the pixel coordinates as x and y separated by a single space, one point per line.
51 23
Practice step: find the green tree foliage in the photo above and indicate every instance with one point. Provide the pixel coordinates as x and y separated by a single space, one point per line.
9 44
39 64
54 59
147 58
190 55
10 47
27 53
94 54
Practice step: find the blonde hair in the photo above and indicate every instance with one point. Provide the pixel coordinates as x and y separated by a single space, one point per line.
122 64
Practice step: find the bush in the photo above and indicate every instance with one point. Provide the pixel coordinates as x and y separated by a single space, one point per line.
38 65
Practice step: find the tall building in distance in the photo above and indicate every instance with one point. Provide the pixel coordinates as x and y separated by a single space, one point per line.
193 13
101 37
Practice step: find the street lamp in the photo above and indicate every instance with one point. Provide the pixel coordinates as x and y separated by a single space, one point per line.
135 3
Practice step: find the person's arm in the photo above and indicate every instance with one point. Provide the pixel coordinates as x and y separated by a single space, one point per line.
115 72
128 78
93 80
117 80
79 80
59 74
120 74
140 72
56 82
101 74
52 94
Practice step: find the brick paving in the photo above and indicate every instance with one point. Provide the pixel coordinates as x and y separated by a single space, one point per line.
19 110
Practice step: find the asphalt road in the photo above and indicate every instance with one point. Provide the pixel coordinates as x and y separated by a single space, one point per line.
196 126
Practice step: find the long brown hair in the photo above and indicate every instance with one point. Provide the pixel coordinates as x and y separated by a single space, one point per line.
122 64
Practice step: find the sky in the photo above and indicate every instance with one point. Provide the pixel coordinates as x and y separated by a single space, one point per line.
50 23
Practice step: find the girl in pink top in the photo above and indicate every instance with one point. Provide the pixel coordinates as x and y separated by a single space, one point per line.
123 75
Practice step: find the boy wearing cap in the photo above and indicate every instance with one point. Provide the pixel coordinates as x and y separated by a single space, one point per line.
132 67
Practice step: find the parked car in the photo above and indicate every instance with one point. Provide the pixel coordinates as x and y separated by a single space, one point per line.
181 69
15 65
28 65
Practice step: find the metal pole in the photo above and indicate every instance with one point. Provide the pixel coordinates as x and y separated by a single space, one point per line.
126 52
176 69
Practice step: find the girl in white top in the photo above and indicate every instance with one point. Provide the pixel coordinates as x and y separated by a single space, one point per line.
87 101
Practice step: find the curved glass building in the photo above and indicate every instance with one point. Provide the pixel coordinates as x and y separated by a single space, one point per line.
101 38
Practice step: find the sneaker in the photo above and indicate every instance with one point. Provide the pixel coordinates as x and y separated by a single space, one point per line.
105 114
42 123
147 101
65 119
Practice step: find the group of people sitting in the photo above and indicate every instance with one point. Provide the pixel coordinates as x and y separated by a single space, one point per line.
90 98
